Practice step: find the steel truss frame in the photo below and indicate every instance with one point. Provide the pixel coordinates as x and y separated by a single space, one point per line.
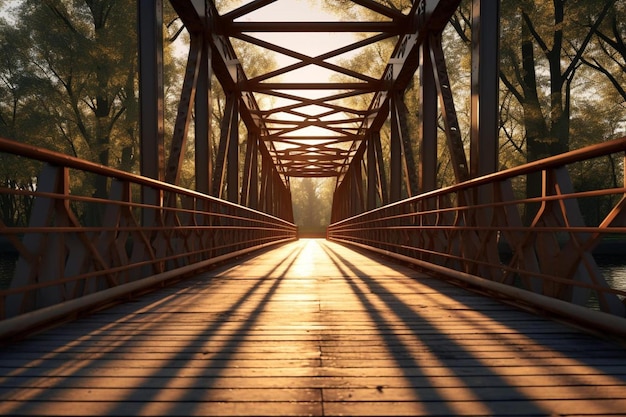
548 264
346 142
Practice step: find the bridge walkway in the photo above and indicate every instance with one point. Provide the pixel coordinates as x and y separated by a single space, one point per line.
313 328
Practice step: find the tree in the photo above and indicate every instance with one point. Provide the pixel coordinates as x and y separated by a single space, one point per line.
73 76
312 200
561 32
609 52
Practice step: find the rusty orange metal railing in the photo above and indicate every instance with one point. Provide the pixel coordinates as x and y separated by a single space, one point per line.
77 250
486 233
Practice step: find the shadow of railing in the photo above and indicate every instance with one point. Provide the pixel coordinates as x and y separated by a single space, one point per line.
537 251
178 381
420 346
486 359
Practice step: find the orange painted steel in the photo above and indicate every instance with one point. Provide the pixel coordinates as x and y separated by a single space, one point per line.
481 228
75 245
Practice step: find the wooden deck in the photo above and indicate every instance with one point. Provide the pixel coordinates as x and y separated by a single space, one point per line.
313 328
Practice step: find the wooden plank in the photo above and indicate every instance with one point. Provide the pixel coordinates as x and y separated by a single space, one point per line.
154 408
312 328
260 379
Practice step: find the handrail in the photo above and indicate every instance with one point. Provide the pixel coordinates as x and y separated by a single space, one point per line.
480 228
77 249
566 158
68 161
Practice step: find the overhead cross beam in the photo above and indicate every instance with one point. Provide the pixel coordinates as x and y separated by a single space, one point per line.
317 127
272 125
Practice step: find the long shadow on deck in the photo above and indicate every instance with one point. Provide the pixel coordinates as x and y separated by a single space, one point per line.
140 392
446 369
486 384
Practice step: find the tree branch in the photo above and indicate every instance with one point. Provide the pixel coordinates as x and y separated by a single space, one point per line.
579 53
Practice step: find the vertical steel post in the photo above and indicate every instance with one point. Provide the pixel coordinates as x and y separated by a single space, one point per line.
250 186
253 190
151 119
219 176
371 173
428 123
183 116
395 169
408 161
202 124
263 194
358 186
232 172
485 92
381 175
150 16
451 122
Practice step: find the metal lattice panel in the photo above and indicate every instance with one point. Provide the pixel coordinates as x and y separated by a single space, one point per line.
313 109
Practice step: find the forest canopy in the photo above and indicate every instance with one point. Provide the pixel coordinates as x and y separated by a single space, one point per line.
68 81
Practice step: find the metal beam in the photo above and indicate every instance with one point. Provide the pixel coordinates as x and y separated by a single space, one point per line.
451 123
219 177
183 117
428 123
202 123
232 172
371 173
427 16
230 27
408 161
485 83
151 122
395 168
249 182
381 175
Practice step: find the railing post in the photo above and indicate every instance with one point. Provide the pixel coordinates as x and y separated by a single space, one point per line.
46 255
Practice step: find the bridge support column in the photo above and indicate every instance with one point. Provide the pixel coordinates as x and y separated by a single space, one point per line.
428 123
403 169
371 173
275 197
395 165
151 108
183 116
226 177
376 179
202 123
232 173
250 180
264 204
485 92
451 122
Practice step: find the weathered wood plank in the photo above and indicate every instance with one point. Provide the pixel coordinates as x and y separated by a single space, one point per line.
312 328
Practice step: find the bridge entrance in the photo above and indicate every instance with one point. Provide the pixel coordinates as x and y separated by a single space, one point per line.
313 328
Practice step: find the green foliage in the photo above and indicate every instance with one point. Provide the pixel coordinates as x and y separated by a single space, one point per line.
312 199
68 82
68 76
